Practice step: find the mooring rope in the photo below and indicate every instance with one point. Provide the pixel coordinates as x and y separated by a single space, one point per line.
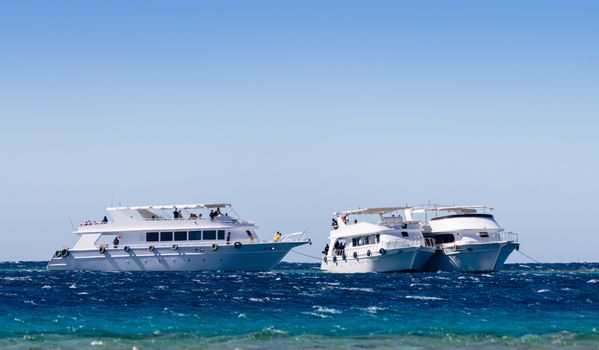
528 256
309 256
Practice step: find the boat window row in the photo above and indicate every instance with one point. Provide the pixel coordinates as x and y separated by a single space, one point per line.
206 235
364 240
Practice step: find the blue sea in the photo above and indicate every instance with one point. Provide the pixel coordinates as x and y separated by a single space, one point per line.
530 306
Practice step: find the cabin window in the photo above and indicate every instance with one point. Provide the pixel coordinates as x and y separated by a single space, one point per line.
151 236
195 235
444 238
221 234
378 238
166 236
354 242
181 236
404 234
484 234
372 239
209 235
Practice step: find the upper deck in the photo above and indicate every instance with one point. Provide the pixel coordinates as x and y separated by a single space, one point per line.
184 216
389 219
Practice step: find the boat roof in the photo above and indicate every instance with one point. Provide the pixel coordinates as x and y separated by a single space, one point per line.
370 211
462 209
174 206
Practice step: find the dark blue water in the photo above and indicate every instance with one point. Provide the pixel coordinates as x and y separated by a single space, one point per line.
296 306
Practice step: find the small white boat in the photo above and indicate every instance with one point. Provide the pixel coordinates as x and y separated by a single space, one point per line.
468 238
388 245
150 238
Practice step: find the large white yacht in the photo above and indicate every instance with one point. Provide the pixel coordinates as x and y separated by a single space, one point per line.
387 245
468 239
173 238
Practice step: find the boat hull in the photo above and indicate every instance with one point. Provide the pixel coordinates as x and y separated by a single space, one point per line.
472 257
394 260
248 257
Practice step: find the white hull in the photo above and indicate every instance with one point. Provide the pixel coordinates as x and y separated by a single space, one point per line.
248 257
394 260
472 257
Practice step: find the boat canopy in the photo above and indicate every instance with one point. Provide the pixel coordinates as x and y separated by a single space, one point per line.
371 211
145 209
462 209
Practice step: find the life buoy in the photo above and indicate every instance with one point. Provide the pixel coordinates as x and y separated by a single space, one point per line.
355 255
369 253
382 251
237 245
102 250
174 247
57 254
334 259
214 246
127 249
151 248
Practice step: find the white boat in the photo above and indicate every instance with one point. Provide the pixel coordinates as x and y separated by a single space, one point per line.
388 245
468 238
150 238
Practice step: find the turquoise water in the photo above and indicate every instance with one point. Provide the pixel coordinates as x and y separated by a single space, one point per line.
538 306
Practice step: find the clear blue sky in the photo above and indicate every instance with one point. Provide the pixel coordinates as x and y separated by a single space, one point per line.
291 110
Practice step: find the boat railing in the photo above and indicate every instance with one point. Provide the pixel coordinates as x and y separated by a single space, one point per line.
403 243
223 219
429 242
506 236
387 245
293 237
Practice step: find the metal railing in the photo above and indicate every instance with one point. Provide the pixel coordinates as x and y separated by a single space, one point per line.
293 237
387 245
506 236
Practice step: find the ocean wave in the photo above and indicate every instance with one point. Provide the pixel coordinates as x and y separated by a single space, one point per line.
305 307
422 297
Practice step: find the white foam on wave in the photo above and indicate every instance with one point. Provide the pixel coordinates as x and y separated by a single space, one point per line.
96 343
316 314
369 290
542 290
593 281
27 278
374 309
419 284
325 310
422 297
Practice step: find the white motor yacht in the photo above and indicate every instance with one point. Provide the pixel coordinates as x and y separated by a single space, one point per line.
150 238
468 239
387 245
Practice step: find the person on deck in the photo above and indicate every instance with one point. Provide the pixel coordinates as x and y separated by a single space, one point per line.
277 236
115 242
